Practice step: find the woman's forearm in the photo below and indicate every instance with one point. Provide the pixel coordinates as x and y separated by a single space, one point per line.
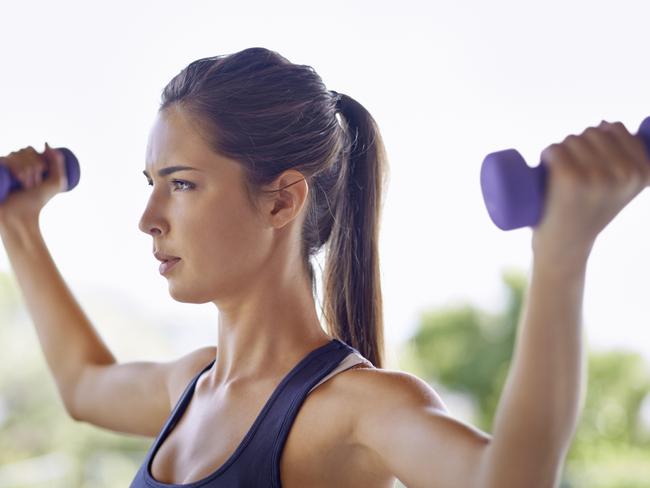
540 403
66 335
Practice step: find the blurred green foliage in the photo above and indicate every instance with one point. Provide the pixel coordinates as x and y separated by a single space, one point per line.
469 351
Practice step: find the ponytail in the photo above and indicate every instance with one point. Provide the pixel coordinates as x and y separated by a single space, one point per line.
352 298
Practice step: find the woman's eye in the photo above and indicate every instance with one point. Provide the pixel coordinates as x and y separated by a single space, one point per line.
188 186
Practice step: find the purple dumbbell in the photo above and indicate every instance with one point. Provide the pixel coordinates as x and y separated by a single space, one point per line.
9 183
514 192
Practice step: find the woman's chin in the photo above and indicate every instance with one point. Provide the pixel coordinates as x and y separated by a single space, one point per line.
184 295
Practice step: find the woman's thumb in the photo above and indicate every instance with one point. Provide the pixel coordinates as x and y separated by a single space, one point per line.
56 174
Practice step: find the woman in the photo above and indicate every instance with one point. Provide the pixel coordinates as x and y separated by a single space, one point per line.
274 169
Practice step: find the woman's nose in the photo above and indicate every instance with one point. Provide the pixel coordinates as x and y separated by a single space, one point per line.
147 226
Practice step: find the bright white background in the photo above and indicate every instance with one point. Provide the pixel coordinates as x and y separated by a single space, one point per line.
448 82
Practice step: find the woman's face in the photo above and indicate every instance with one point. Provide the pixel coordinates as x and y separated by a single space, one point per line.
201 215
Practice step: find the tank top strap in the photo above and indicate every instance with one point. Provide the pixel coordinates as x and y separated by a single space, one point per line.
178 409
258 464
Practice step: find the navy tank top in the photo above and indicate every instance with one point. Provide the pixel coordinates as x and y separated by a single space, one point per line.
255 463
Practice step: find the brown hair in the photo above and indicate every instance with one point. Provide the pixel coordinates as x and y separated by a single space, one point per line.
256 107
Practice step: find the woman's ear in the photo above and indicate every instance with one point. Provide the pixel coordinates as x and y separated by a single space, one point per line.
288 197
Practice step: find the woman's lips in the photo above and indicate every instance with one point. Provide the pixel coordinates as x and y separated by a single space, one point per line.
167 266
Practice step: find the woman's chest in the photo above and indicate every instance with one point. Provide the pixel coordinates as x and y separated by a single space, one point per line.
318 451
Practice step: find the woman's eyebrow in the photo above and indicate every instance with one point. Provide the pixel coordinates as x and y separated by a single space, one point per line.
170 170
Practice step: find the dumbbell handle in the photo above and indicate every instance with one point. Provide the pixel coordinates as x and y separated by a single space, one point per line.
9 183
514 192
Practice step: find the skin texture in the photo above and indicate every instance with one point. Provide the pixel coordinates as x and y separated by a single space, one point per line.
246 262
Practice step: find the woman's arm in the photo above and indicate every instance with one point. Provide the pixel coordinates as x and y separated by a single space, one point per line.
593 176
67 337
540 404
404 423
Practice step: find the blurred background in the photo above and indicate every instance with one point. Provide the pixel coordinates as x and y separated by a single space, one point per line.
448 83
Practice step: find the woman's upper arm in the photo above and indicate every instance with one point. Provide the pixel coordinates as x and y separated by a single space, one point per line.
404 422
135 397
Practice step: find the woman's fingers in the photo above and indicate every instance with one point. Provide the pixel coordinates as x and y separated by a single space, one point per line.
607 154
584 157
561 157
34 175
36 166
39 177
615 154
634 147
630 143
37 173
26 177
28 166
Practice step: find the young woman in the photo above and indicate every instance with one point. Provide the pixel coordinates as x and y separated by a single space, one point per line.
256 167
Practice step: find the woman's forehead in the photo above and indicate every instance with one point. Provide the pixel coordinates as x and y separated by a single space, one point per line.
172 132
174 141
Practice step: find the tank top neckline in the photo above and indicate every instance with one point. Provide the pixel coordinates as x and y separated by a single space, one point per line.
184 401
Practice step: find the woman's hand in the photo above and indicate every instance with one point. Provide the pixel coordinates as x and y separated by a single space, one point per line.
28 165
591 178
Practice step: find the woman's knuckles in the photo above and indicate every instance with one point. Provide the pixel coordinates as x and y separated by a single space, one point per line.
598 157
27 166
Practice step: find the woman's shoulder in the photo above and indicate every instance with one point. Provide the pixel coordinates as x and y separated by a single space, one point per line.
368 383
367 390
